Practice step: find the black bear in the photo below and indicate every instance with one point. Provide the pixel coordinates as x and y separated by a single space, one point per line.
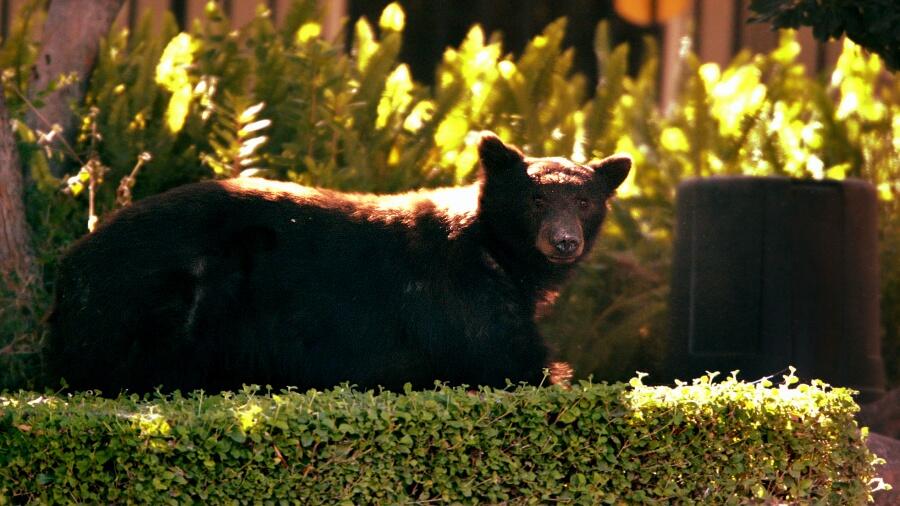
220 283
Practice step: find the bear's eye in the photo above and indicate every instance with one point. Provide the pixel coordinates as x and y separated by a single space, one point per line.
584 203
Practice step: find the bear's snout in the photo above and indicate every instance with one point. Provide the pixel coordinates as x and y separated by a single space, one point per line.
561 241
566 244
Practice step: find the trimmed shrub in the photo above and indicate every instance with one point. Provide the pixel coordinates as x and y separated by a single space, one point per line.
712 443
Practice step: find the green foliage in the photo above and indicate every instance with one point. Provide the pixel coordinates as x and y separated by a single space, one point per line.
761 115
235 148
213 101
870 23
704 443
136 115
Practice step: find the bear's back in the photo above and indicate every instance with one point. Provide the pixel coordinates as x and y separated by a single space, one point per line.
217 267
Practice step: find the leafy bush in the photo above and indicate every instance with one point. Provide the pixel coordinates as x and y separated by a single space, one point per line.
712 443
284 103
870 23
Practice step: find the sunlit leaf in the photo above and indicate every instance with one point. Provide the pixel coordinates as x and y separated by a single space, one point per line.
248 147
710 73
392 18
366 45
75 186
171 71
815 167
396 96
254 126
673 139
629 188
507 69
178 108
308 31
465 162
855 75
249 114
151 424
421 113
838 171
788 48
248 416
738 93
451 132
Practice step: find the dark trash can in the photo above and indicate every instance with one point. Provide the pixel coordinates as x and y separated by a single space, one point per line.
771 272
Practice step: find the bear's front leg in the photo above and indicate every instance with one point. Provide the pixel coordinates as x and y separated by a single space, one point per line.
491 359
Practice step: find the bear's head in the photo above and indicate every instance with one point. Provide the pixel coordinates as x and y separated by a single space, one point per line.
547 210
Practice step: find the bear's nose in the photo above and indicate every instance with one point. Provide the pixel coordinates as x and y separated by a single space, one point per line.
566 245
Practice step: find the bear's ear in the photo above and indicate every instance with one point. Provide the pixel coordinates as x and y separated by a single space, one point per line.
612 170
496 156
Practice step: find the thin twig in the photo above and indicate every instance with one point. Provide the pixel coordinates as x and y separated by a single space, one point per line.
46 122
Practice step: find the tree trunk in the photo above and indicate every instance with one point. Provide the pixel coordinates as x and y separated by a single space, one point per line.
16 257
71 38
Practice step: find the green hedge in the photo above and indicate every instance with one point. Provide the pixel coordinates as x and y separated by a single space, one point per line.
712 443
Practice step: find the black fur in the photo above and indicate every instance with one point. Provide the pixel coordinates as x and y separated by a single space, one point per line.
221 283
